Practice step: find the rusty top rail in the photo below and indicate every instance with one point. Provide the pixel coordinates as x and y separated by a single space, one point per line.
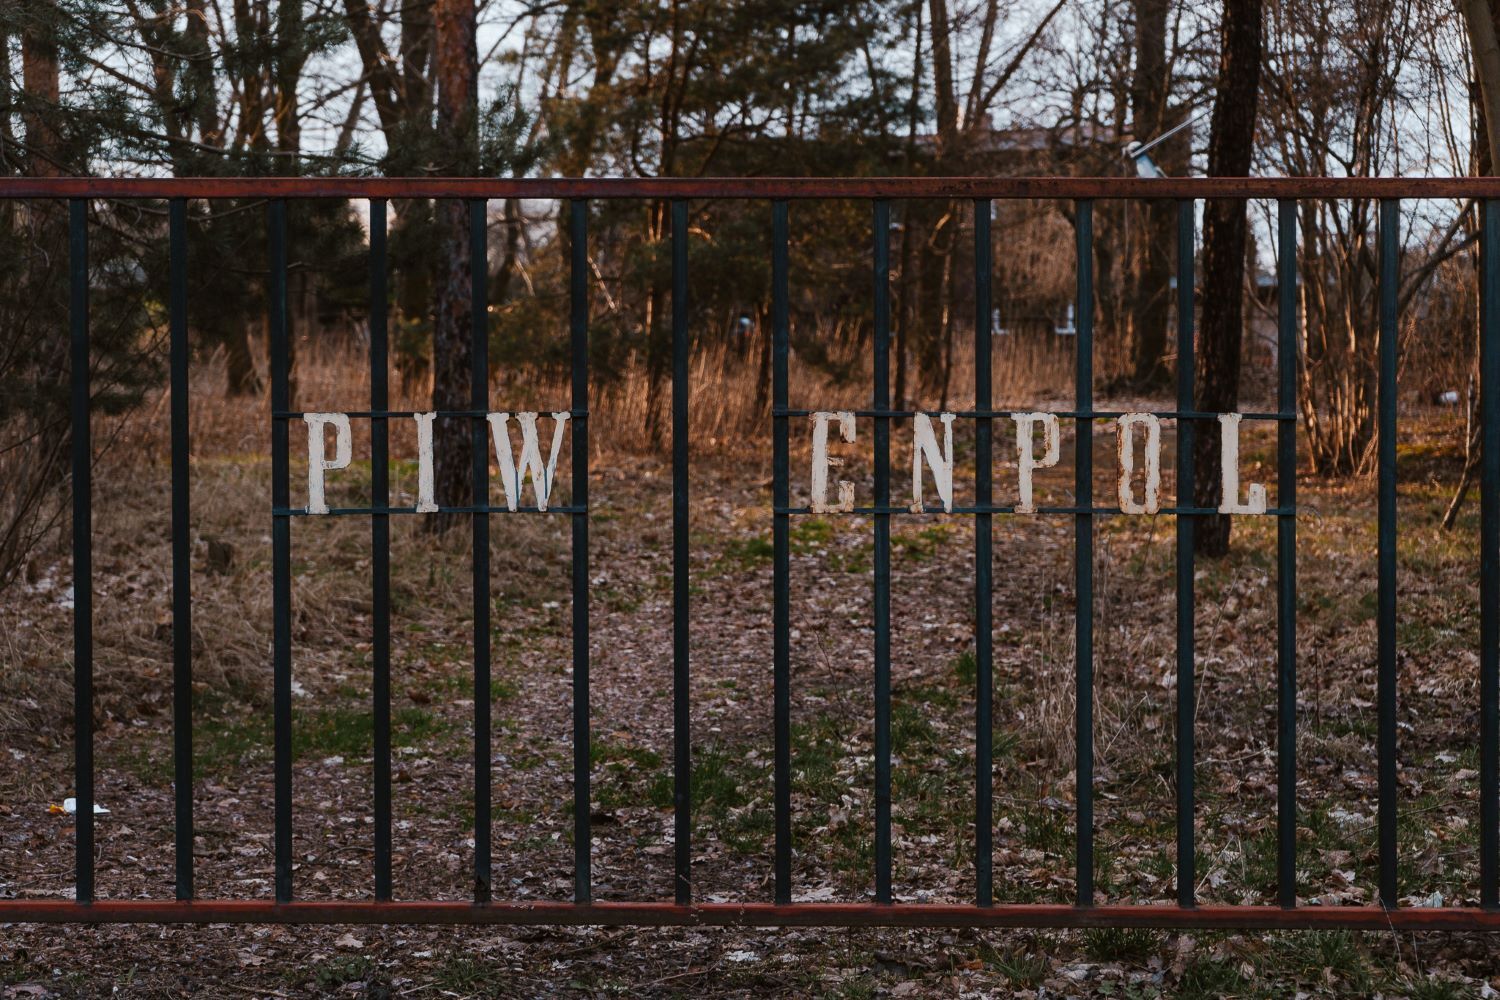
750 187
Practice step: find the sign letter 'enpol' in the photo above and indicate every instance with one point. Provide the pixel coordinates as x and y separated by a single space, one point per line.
821 463
924 446
939 459
1229 449
1126 448
1027 461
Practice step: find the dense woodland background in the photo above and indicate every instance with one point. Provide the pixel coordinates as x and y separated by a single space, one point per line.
740 87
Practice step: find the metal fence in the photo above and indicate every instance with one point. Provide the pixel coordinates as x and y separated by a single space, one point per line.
780 909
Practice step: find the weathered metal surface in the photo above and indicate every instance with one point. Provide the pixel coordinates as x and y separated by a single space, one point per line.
662 914
750 187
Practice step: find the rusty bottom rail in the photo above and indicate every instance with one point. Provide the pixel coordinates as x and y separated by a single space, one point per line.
652 914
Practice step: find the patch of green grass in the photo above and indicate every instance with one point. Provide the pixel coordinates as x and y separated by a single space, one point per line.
862 987
1310 955
809 533
469 977
1211 978
724 785
219 745
340 970
222 744
1159 865
1120 944
805 535
350 732
458 682
621 755
745 553
1433 988
922 545
965 668
816 752
1049 830
1022 969
513 817
620 602
629 774
911 731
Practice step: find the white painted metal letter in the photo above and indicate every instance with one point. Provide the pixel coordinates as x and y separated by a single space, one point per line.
924 446
512 473
317 458
1026 459
821 463
1229 460
1125 445
426 503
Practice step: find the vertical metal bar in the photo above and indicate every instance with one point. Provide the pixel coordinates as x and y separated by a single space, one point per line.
1186 529
984 658
1386 617
882 609
579 330
681 717
83 551
479 391
182 551
380 545
1286 558
782 612
281 550
1489 562
1083 557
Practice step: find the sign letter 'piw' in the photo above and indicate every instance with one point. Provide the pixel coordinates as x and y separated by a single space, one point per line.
317 459
514 471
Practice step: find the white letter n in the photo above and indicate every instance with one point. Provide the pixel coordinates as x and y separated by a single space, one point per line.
924 446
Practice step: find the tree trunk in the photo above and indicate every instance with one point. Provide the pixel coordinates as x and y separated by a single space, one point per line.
200 100
39 78
452 342
1151 235
945 101
1479 20
1231 142
906 308
251 24
658 335
287 68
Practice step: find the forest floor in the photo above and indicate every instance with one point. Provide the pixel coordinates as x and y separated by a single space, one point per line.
832 737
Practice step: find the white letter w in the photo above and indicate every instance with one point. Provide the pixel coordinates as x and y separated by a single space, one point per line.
513 474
